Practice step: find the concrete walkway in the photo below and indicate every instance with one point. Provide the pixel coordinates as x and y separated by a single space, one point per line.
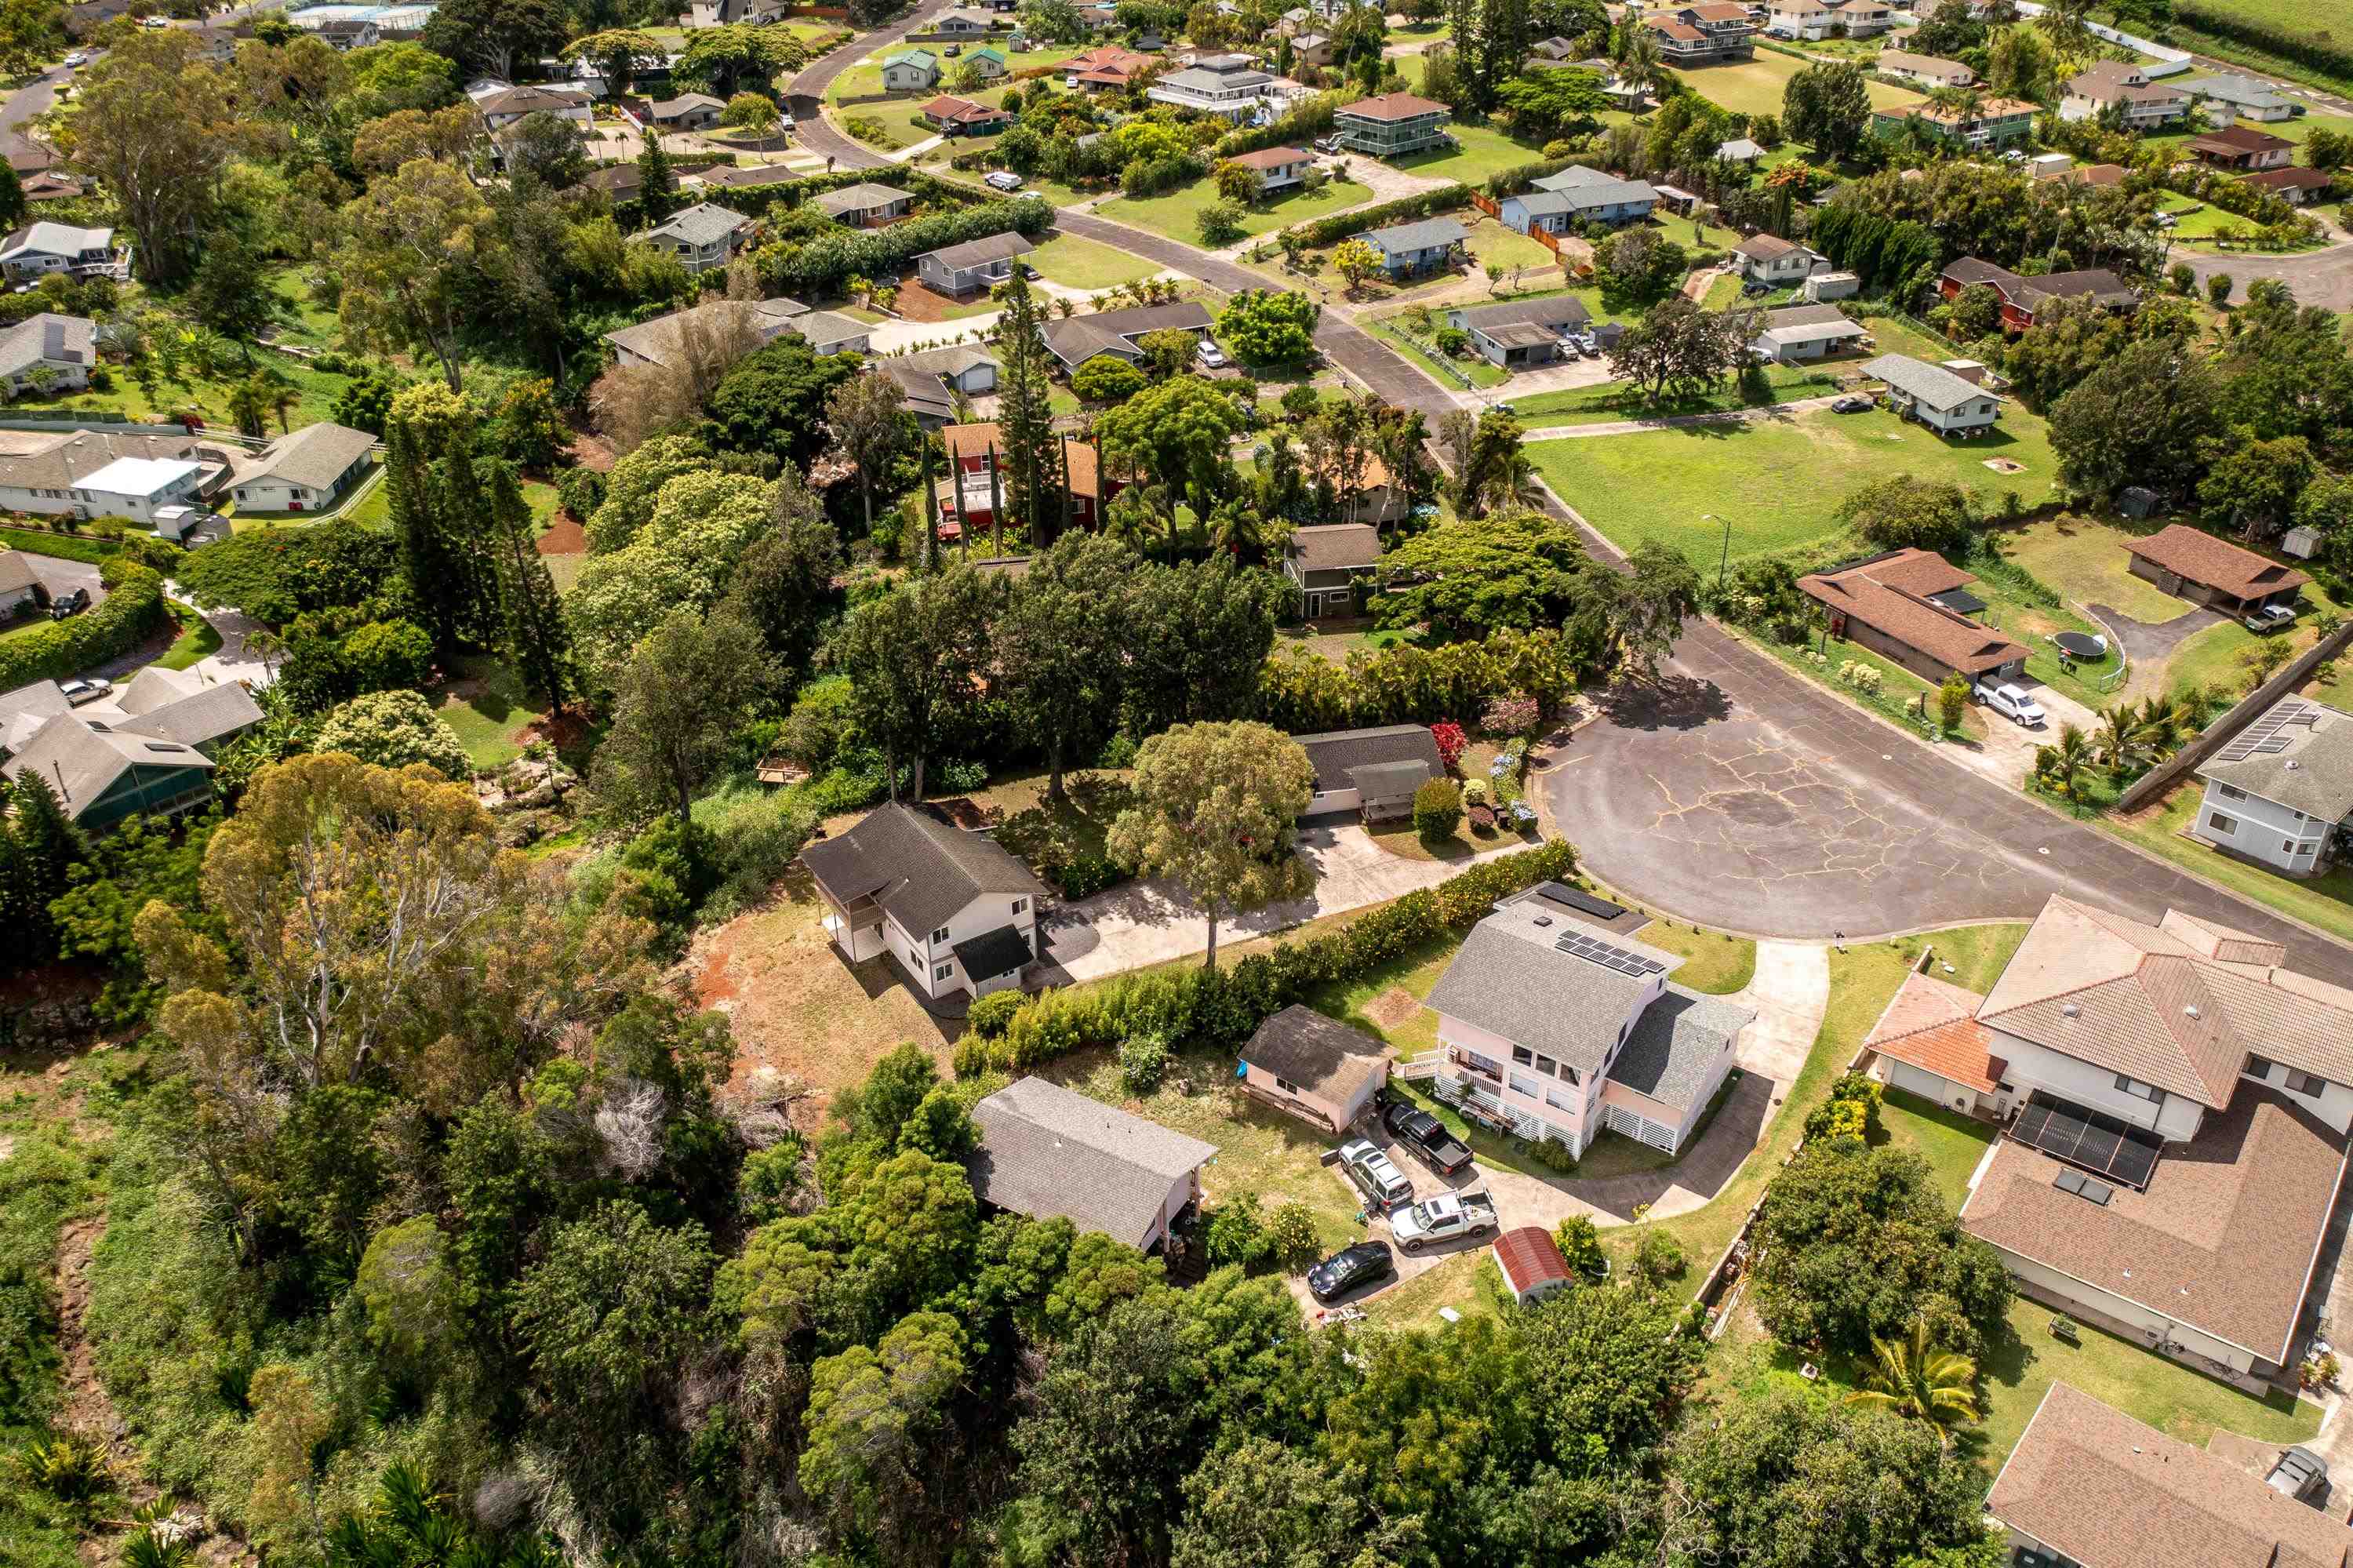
1143 923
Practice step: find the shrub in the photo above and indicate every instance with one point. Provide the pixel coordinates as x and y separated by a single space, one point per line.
1579 1240
1448 736
1143 1062
1438 808
1554 1154
384 654
1235 1234
1658 1259
582 491
987 1019
770 1180
1852 1111
1085 873
1292 1233
393 729
1405 210
1952 701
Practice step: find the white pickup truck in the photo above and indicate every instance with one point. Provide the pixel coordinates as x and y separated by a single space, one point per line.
1447 1217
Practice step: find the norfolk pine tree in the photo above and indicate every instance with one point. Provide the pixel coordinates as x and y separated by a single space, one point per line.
533 615
1025 422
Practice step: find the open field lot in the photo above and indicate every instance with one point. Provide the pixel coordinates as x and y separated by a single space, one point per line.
1077 263
1616 400
1176 215
1483 150
1779 481
1755 87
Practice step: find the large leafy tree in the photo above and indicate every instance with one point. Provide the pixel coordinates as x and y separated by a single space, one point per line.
2137 420
393 729
783 583
775 400
678 703
489 36
915 657
1216 807
617 54
1061 647
1180 433
722 59
158 124
867 416
421 239
1263 327
1678 350
1032 453
1464 579
611 1309
1210 625
1828 107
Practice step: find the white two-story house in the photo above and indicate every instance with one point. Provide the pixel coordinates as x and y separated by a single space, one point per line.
702 236
1568 1030
955 910
2281 787
2175 1103
1228 86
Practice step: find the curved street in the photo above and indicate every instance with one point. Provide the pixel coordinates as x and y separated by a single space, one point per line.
1739 794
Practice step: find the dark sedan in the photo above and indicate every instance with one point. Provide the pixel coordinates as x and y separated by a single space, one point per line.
1352 1266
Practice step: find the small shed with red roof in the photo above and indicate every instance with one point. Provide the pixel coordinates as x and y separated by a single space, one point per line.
1532 1265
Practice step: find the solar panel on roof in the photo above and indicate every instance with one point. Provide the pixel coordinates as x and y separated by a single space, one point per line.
2087 1139
2070 1181
1593 950
2256 733
1579 899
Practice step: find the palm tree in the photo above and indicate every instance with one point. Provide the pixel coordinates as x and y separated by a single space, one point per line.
1913 1380
2121 742
2063 762
249 405
283 398
1644 66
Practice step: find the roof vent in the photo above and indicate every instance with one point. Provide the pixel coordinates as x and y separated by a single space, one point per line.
2070 1011
2192 1011
1542 920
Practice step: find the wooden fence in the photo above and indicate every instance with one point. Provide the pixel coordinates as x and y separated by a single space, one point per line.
2289 676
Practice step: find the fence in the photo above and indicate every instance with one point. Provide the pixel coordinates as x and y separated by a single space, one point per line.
2290 676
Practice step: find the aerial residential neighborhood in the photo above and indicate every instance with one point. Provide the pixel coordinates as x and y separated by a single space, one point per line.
1094 784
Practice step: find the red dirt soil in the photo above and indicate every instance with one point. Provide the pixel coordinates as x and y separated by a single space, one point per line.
564 536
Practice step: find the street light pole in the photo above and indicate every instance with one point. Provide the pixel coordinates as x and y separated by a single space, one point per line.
1725 560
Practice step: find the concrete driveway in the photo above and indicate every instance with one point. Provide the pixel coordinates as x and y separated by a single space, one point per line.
1141 923
60 575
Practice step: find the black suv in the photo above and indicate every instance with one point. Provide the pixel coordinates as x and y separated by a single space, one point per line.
1427 1136
1346 1269
67 604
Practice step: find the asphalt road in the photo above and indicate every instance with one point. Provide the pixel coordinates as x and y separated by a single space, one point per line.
2323 278
1742 795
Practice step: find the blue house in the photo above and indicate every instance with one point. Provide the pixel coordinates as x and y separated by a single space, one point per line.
1575 197
1409 250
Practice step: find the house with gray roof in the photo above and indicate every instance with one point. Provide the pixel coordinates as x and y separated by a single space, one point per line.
305 472
830 332
865 206
687 111
49 351
951 907
1373 771
974 265
1077 339
930 378
20 585
2279 792
1569 1029
1575 196
1053 1153
1410 250
675 338
1933 394
702 236
148 748
2244 97
1521 333
910 70
1796 333
1325 561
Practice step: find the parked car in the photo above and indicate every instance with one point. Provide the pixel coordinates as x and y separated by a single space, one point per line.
2012 701
1754 288
76 59
1450 1217
1427 1136
72 602
1029 273
2299 1475
1351 1267
1212 358
89 690
2269 618
1328 144
955 49
1375 1176
1002 179
1851 404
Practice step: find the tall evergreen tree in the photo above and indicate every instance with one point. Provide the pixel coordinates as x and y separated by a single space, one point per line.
654 175
45 846
1024 420
12 199
441 516
532 614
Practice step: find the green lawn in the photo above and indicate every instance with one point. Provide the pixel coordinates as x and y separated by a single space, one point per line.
1615 400
2217 656
1492 244
1174 214
2033 625
2086 561
1482 153
1755 86
1863 979
198 639
1953 1144
1714 961
1077 263
1779 481
486 706
2325 901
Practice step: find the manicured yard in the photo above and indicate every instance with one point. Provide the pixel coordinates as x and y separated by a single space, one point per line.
1755 86
1175 215
487 705
1077 263
2086 561
1779 481
1482 153
2325 901
1714 961
1492 244
2033 625
198 639
1615 400
2217 655
1952 1143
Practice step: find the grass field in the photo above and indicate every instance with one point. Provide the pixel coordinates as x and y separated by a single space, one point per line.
486 705
2317 18
1176 213
1615 400
1950 1142
196 641
1779 481
1755 87
2086 561
1492 243
1714 961
2325 901
1077 263
1483 150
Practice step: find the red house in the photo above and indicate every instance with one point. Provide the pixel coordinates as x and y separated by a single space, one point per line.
2022 297
973 452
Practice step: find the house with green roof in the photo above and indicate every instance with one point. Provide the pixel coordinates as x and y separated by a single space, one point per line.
988 63
910 70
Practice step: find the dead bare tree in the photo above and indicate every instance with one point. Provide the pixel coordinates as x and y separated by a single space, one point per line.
686 359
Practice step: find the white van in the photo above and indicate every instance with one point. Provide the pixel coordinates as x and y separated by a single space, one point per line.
2012 703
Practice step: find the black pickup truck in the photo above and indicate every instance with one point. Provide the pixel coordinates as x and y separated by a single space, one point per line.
1423 1133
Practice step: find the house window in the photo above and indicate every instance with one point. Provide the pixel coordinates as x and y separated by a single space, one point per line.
2216 823
1523 1057
2140 1090
939 936
942 972
1286 1085
1548 1066
2288 846
1559 1101
1019 905
2230 791
1524 1086
2305 1084
2259 1066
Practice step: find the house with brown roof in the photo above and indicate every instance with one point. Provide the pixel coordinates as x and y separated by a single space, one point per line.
1393 125
1912 607
1109 69
2295 187
2091 1486
1924 71
1277 168
1991 122
2125 90
1776 262
2242 147
2192 564
1704 33
1531 1264
1930 1044
2178 1103
1313 1068
2023 297
962 117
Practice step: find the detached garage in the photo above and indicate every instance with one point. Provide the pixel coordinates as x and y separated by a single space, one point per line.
1931 1045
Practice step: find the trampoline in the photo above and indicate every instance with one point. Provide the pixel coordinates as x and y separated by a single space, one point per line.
2081 645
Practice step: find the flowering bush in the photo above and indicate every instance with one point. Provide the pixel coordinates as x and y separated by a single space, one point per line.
1450 741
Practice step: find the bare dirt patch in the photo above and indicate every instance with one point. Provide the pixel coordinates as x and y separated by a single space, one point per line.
917 303
591 450
1393 1007
2005 465
564 536
799 1010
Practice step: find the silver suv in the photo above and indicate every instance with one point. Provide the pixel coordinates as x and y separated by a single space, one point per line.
1375 1175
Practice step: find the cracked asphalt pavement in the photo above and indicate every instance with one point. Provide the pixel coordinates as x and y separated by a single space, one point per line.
1740 796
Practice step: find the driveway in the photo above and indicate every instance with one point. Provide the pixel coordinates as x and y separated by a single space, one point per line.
2149 643
1141 923
60 575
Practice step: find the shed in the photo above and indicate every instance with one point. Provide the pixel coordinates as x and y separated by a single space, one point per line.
1314 1067
1532 1265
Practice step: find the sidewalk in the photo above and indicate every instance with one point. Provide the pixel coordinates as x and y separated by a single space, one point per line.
1678 421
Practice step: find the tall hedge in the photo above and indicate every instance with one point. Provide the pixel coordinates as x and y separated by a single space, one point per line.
1880 250
1519 177
1405 210
1308 118
132 611
1222 1007
821 263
